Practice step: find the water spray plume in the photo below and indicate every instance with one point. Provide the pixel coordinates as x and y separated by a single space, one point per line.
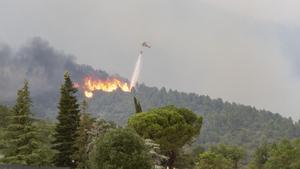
136 72
138 66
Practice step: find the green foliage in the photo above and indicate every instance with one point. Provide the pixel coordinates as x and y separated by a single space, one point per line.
137 105
212 160
81 154
232 153
185 160
224 122
284 155
260 157
4 114
120 149
100 127
23 143
45 132
221 157
169 126
188 156
68 123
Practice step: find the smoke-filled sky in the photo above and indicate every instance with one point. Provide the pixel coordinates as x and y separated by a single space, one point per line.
242 51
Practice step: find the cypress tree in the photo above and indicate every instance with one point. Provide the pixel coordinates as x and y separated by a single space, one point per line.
82 141
22 144
137 105
68 123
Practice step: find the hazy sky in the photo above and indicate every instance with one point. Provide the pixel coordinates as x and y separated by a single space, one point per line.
242 51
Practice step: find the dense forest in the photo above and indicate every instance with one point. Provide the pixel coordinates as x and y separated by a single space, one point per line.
158 136
224 122
227 135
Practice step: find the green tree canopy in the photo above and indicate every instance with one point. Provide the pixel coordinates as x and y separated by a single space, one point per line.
4 114
233 153
100 127
212 160
284 155
168 126
120 149
220 157
45 131
23 143
68 123
260 156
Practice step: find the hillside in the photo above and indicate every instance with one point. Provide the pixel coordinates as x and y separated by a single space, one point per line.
224 122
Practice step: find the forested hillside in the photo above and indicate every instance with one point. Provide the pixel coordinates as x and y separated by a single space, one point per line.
225 122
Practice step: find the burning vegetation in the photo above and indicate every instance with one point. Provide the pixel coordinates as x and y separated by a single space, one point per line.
91 84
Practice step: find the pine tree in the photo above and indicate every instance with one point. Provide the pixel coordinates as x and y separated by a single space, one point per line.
137 104
68 123
22 144
82 141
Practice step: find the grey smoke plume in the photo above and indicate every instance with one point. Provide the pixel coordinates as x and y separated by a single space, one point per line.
40 64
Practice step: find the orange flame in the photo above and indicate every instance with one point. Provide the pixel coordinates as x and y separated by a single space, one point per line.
91 85
88 94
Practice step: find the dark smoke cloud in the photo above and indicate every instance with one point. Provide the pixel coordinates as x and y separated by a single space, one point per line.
41 65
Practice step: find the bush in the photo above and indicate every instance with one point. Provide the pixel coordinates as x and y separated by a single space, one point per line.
120 149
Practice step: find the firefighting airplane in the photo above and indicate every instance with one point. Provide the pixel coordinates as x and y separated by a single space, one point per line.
146 45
